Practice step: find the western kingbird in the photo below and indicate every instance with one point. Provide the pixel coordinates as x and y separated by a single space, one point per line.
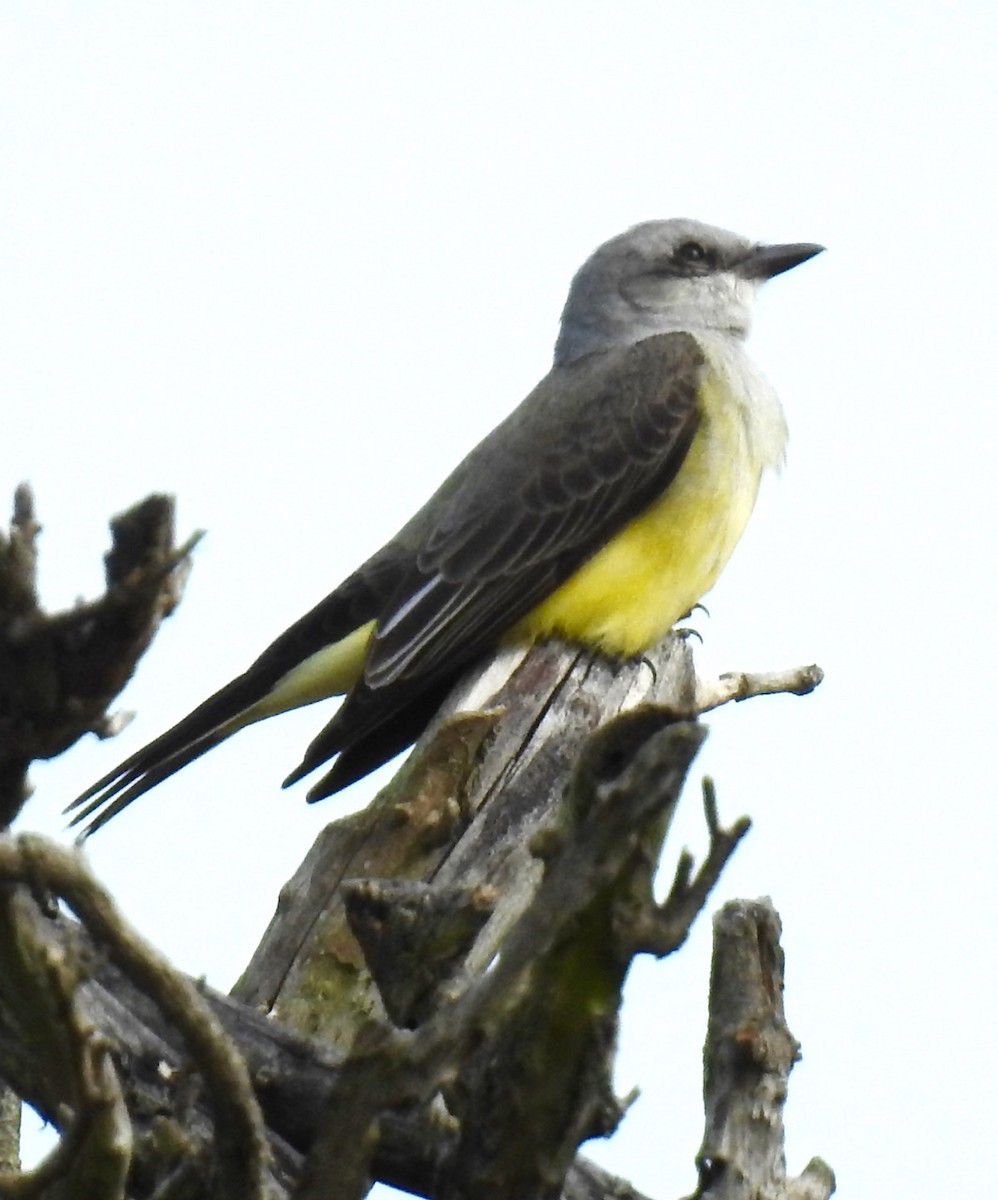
600 510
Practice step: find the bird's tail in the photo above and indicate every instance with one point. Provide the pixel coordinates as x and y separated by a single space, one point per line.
321 655
220 716
371 727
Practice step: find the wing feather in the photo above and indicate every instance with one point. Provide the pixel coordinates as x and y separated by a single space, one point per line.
590 448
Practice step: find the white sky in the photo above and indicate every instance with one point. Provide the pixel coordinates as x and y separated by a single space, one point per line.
291 260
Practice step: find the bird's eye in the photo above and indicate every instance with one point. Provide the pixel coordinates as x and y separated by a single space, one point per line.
692 252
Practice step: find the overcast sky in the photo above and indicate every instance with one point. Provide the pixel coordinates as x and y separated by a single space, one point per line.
289 261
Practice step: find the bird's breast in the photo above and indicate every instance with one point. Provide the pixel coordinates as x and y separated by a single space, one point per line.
652 572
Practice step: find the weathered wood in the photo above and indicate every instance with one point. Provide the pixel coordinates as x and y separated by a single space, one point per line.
500 886
479 810
454 817
293 1079
748 1056
10 1129
40 1000
59 672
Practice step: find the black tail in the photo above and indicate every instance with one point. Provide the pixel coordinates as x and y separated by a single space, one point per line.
196 734
371 727
353 604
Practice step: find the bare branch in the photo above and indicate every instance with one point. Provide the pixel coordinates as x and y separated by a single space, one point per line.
469 1025
59 672
242 1148
295 1079
748 1057
743 685
93 1157
94 1154
661 929
523 1052
10 1129
414 936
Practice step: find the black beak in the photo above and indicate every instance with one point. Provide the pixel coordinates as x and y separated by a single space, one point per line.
763 262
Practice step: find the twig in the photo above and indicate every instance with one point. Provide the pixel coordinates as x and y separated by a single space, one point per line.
243 1153
94 1153
743 685
661 929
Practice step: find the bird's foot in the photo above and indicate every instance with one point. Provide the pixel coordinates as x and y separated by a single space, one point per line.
687 631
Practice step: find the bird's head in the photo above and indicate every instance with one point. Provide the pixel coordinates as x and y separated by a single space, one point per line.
664 276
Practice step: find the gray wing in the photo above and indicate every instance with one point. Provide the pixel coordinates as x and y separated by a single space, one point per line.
587 451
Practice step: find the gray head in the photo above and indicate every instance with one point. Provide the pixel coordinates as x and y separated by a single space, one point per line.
664 276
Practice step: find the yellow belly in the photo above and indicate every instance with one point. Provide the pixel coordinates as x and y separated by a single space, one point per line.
630 593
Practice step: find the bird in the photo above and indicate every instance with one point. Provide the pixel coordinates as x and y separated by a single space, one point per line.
601 510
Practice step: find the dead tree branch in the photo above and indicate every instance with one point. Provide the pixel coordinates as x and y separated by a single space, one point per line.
748 1057
443 973
241 1151
59 672
744 685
